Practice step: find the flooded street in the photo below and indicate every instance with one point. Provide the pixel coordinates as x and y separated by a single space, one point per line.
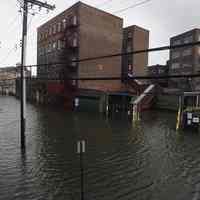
121 161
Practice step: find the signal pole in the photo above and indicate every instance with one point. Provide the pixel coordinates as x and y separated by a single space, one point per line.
23 63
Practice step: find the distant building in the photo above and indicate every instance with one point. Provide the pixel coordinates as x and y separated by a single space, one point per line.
156 71
135 38
8 80
185 60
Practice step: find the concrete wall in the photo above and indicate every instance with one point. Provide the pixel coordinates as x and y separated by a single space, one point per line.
100 34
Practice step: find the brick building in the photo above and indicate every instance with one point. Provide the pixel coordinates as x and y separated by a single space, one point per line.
185 60
82 32
135 38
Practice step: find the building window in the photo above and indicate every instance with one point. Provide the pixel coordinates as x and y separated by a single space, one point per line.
74 21
49 47
64 22
186 65
75 42
187 52
128 49
54 28
59 27
175 65
74 82
59 44
130 67
188 40
54 45
176 42
130 34
175 54
50 31
62 44
100 67
40 36
46 34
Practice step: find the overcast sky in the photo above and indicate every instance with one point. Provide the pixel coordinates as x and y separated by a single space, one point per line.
164 19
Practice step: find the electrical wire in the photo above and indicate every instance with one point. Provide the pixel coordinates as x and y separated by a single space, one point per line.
105 2
196 75
132 6
163 48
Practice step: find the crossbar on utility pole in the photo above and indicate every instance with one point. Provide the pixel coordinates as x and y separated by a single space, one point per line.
41 4
23 63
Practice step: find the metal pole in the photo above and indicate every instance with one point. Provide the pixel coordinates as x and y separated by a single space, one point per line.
82 175
22 71
81 151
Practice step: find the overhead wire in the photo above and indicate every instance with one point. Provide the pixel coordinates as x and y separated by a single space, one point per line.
104 3
131 6
162 48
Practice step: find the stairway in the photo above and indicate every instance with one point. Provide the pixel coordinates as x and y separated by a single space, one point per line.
145 100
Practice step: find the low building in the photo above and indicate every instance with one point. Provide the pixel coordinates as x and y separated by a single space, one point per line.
157 71
8 77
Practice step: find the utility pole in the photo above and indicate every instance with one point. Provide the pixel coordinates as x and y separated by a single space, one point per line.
23 62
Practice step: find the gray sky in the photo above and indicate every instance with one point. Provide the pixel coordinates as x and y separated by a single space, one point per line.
163 18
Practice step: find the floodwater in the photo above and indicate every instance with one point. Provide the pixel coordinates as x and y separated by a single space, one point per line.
122 161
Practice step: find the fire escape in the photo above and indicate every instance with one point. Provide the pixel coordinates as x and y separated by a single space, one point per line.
70 57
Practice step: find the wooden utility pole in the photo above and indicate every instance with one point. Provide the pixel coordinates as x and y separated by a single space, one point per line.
23 62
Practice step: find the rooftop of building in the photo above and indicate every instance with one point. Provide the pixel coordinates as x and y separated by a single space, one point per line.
75 6
7 69
185 33
135 27
158 65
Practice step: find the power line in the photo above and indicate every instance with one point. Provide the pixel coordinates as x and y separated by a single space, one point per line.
163 48
132 6
105 2
197 75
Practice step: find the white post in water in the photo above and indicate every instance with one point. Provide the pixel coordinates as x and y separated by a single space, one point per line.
80 151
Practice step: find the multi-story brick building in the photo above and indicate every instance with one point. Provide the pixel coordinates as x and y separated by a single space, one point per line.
83 32
135 38
185 60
